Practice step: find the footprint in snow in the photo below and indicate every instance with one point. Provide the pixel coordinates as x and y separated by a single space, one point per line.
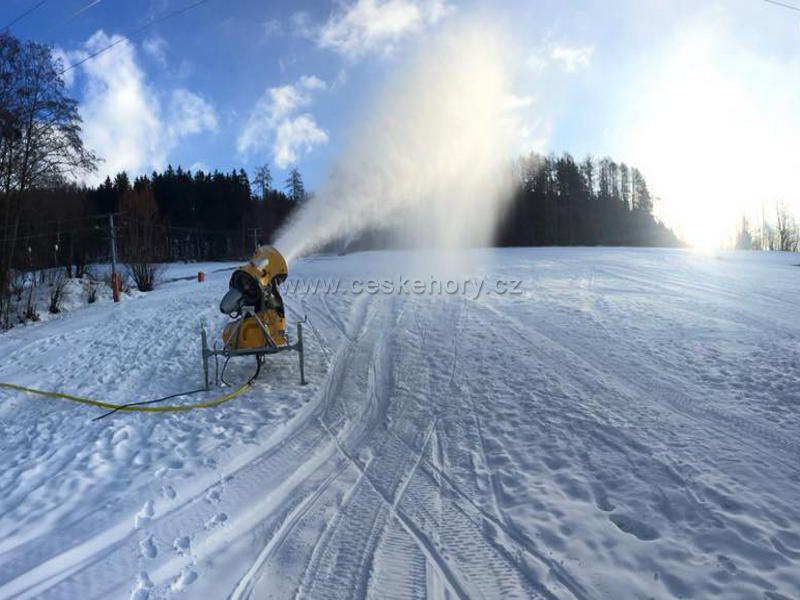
634 527
168 492
214 495
182 545
143 587
184 580
216 520
148 547
145 515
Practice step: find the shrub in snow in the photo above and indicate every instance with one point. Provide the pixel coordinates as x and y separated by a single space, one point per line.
145 275
91 281
57 284
17 284
91 292
30 313
5 311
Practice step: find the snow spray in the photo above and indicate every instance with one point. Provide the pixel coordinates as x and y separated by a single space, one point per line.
429 160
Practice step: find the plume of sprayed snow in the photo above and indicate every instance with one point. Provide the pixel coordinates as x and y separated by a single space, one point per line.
428 161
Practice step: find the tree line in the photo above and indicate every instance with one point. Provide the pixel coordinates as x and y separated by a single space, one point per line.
559 202
180 215
781 234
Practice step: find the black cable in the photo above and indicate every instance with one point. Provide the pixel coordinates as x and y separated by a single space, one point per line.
135 32
222 374
258 370
216 368
146 402
783 4
143 403
81 10
25 14
34 236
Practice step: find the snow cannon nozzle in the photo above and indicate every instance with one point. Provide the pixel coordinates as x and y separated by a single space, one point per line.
252 284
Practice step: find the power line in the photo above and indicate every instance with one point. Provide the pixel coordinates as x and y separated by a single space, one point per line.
83 9
53 234
69 220
135 32
783 4
25 14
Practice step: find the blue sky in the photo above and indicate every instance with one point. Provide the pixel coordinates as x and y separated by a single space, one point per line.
662 84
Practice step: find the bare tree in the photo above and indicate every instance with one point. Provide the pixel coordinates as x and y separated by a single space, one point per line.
263 180
40 141
57 283
744 239
142 242
786 229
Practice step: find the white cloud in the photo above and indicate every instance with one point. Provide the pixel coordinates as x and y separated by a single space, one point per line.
311 82
570 58
301 24
270 28
537 60
124 120
296 137
513 102
274 123
190 113
377 25
156 47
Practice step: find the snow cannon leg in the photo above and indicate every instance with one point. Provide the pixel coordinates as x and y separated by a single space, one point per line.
206 353
300 352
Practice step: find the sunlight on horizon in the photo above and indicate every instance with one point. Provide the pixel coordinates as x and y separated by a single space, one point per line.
715 136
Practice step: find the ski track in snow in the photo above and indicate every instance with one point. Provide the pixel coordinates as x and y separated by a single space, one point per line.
626 428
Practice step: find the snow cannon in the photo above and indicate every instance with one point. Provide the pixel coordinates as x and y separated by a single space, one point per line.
258 325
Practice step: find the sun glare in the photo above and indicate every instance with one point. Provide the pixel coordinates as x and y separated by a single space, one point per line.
700 135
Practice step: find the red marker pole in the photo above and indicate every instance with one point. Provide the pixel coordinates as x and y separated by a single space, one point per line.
114 274
201 277
115 286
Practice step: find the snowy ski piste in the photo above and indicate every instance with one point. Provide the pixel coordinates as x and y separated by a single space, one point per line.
626 426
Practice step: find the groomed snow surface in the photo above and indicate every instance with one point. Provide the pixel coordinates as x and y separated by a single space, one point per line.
627 427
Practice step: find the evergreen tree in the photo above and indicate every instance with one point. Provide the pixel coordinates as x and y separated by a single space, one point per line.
294 185
121 183
641 195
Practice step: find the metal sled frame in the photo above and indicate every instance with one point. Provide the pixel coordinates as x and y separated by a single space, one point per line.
258 352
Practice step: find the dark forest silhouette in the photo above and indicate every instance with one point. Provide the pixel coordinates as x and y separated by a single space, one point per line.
559 202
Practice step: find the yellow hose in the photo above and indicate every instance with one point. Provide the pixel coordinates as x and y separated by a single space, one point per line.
175 408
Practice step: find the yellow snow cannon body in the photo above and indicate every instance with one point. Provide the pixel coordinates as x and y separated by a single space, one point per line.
257 282
254 303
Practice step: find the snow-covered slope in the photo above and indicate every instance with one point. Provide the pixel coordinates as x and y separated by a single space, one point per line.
627 427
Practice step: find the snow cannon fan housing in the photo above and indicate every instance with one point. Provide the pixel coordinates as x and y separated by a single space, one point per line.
255 303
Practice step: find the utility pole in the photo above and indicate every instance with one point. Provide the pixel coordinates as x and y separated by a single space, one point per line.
114 276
